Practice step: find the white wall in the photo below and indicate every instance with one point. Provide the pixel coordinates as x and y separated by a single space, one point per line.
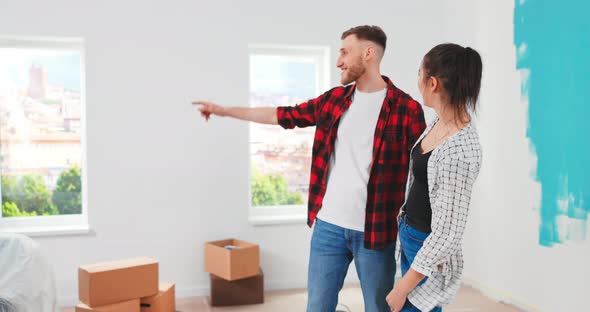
501 246
161 182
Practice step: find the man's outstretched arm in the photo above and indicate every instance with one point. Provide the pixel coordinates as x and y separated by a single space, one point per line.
263 115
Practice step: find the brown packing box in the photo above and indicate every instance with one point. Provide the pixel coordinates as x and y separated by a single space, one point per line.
110 282
232 265
164 301
244 291
125 306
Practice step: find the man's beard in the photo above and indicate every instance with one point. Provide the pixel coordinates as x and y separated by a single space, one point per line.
353 73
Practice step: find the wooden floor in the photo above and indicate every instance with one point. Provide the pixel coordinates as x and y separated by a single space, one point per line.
468 300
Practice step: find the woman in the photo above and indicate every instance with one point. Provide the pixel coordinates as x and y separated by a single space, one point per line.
444 164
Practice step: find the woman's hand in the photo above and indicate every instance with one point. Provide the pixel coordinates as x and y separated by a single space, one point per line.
396 299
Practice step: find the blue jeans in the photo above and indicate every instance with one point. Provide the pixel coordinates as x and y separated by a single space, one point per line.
332 250
411 241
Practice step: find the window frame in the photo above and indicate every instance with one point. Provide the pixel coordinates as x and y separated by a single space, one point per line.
58 224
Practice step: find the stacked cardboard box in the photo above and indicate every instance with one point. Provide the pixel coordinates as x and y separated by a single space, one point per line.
129 285
236 277
164 301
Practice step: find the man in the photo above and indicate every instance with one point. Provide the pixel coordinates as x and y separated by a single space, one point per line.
360 157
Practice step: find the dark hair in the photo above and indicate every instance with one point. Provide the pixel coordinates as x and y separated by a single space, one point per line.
459 70
371 33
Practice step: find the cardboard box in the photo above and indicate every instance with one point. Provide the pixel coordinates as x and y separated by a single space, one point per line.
106 283
244 291
232 264
125 306
164 301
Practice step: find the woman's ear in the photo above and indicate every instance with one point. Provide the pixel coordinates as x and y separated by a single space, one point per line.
433 84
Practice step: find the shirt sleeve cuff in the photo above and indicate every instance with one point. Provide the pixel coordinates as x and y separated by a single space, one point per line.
426 271
282 120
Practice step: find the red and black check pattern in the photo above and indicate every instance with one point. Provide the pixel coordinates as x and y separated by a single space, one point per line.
400 123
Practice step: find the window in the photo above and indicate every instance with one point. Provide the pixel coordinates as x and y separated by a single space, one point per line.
280 159
42 136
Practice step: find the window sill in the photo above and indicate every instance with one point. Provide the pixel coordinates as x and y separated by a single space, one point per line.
277 215
41 231
277 220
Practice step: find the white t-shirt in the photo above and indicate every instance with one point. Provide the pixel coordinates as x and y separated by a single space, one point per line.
345 200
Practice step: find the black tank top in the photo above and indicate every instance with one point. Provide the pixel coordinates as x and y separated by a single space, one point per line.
418 210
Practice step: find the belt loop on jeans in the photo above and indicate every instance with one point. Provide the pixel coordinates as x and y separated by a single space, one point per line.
402 216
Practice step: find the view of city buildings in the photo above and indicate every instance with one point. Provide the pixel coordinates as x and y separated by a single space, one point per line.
276 150
282 81
40 116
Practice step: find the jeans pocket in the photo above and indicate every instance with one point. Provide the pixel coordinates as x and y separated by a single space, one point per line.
414 234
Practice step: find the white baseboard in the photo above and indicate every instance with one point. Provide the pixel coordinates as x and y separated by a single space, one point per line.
501 296
187 292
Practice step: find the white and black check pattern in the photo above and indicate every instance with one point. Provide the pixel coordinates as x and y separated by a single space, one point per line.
452 170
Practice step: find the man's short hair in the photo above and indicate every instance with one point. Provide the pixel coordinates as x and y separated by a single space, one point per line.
365 32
